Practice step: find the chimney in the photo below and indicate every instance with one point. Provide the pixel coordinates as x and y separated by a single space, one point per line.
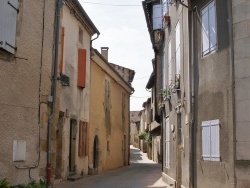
104 52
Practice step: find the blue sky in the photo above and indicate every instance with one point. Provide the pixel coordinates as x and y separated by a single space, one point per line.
123 29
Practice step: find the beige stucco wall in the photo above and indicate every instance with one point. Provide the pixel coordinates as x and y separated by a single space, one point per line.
241 33
118 154
19 94
73 100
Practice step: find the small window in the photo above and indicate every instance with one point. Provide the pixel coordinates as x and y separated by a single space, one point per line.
80 36
211 140
209 33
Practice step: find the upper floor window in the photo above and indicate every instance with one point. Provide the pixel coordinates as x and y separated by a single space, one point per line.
165 7
169 64
209 33
8 19
177 49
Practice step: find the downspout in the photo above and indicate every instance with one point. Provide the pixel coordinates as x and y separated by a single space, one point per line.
231 51
54 80
191 129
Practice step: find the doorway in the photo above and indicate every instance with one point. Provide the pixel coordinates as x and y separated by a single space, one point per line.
72 145
96 153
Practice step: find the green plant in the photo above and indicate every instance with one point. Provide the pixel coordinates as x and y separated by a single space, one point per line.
149 138
4 183
33 184
142 135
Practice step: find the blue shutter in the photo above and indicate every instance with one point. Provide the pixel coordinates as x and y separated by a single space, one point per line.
8 18
206 140
157 17
215 140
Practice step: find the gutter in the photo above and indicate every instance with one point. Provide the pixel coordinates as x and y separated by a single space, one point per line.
53 93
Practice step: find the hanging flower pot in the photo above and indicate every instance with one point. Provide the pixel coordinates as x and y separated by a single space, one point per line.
167 19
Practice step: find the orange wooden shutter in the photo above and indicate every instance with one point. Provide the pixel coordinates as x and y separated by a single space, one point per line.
82 68
62 51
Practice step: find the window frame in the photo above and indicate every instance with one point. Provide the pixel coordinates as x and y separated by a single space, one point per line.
215 47
210 140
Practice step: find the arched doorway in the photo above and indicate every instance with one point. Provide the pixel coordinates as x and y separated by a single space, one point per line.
96 153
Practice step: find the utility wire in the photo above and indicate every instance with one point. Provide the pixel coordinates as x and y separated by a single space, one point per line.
125 5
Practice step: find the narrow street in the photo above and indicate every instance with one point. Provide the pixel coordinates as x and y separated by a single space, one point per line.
142 173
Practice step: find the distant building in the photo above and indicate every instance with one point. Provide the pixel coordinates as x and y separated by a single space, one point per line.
134 128
109 136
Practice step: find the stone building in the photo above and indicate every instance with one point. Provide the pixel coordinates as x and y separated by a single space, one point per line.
205 110
27 59
77 29
109 136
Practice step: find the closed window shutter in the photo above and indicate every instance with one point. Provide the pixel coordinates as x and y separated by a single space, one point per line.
82 68
62 50
8 19
157 17
206 140
215 140
167 143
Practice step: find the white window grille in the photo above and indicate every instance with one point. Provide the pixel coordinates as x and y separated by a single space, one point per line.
209 33
167 143
8 15
211 140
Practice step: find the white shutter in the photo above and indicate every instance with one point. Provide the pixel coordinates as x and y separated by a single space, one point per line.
169 64
177 48
167 149
8 18
206 140
215 140
157 17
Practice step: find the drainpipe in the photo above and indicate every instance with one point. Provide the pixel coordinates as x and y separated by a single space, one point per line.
231 51
54 80
191 129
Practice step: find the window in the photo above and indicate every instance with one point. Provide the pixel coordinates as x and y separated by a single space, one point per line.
211 140
169 64
165 7
8 15
82 68
209 37
167 142
80 35
157 17
164 70
177 49
83 138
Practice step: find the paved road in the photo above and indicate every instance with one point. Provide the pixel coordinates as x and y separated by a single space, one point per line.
142 173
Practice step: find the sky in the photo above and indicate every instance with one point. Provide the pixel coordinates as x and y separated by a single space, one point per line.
123 29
